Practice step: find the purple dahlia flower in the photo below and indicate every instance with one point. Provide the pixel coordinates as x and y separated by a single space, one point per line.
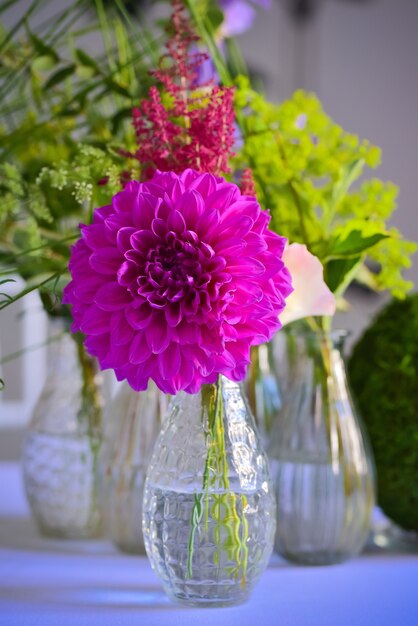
175 280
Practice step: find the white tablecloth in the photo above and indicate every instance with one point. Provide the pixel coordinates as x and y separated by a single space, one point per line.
60 583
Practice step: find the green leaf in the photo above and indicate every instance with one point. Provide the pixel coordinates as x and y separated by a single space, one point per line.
115 87
84 59
44 62
351 172
339 273
41 47
7 280
120 117
60 76
84 72
354 244
214 15
205 30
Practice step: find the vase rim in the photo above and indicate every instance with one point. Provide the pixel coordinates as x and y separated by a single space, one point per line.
336 335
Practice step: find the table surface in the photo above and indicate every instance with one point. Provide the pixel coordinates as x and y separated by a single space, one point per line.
74 583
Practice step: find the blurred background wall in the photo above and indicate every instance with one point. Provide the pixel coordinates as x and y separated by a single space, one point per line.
361 58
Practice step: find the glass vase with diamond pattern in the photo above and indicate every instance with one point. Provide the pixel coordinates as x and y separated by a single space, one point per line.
209 508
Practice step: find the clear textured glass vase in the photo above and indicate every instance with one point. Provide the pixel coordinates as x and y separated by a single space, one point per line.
62 441
262 390
209 509
321 461
134 422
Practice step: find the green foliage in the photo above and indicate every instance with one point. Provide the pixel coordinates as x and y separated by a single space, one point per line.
64 114
304 166
384 374
40 220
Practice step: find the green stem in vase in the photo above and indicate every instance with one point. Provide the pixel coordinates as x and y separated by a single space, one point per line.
91 407
224 510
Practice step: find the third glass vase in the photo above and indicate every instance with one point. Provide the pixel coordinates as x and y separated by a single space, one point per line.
321 460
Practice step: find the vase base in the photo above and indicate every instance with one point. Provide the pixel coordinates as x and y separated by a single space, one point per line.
69 534
316 559
130 548
206 602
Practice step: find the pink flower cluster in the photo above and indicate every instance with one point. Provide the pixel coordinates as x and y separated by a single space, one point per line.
164 145
176 279
191 129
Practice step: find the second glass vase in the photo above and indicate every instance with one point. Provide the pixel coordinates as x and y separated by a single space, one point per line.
133 424
321 461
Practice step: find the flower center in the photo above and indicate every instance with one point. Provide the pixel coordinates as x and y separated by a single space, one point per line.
178 268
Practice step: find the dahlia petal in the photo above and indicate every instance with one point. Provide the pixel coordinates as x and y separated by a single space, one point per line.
123 238
122 202
207 222
205 184
186 375
247 207
106 260
127 273
187 332
85 290
173 314
120 330
191 206
188 176
216 264
229 228
139 317
246 266
134 185
164 179
256 244
143 211
190 304
94 321
159 227
176 222
98 345
94 236
212 339
177 190
261 223
114 223
231 247
68 293
164 209
139 350
169 361
276 244
155 191
137 374
158 335
101 214
142 240
223 197
118 356
112 296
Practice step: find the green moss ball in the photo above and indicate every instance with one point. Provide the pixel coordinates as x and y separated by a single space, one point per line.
383 370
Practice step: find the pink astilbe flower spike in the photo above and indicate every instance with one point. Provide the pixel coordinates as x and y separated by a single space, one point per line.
194 127
247 183
176 279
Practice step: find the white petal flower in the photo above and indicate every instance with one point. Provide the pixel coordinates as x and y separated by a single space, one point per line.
311 296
